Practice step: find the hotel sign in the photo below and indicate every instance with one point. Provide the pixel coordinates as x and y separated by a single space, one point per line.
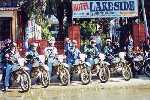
105 8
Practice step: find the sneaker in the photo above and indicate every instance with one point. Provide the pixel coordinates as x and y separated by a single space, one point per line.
5 89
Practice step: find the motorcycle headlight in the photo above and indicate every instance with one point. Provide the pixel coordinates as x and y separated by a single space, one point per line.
122 55
61 58
101 56
82 56
21 61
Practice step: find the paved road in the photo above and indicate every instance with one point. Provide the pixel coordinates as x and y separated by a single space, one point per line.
115 82
115 89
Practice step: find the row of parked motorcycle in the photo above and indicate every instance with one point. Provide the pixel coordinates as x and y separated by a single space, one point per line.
101 68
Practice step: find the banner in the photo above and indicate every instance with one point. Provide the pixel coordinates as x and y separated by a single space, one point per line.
105 8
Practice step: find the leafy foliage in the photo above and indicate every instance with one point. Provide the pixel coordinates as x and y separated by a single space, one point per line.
36 9
60 9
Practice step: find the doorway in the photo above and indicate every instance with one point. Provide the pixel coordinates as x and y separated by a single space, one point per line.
5 28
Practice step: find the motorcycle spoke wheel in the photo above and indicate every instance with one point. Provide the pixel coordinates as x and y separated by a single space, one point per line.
25 82
147 70
104 74
126 73
85 76
45 79
64 77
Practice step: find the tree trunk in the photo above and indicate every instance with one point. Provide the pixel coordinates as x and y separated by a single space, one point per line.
60 15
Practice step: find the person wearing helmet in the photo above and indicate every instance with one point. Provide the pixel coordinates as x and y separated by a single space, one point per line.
108 50
11 61
50 55
5 50
74 53
91 51
146 45
32 55
67 45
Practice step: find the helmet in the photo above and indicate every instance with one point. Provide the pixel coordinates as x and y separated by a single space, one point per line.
52 40
108 40
34 45
14 43
67 39
7 42
93 41
74 42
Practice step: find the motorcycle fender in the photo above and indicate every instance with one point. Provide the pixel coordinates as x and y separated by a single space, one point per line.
88 64
124 61
66 65
26 68
106 63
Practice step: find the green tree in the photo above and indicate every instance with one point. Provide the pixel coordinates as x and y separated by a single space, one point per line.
37 9
60 9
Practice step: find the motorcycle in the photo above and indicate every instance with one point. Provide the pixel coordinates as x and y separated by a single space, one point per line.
141 63
20 75
147 64
118 64
61 69
39 70
100 68
80 68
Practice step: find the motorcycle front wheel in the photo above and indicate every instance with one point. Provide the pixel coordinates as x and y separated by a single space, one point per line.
126 72
104 74
25 81
45 78
64 76
147 70
85 76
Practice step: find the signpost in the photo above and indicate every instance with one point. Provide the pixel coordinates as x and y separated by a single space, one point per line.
105 8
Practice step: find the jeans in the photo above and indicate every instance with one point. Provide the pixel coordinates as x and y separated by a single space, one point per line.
91 61
51 62
3 73
98 47
8 74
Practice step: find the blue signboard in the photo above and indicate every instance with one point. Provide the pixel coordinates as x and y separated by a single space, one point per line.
105 8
